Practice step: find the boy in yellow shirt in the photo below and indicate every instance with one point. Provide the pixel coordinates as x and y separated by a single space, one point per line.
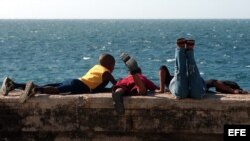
95 80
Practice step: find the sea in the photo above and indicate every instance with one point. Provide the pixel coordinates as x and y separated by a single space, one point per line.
51 51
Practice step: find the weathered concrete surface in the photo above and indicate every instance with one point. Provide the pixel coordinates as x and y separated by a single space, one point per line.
92 117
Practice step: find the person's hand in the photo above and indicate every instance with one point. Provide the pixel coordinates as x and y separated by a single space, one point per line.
236 91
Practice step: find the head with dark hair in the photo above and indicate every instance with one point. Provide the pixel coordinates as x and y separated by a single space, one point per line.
163 67
108 61
168 75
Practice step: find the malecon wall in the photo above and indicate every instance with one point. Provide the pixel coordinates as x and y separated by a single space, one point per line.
91 117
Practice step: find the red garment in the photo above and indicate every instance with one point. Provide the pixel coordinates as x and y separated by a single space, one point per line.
129 85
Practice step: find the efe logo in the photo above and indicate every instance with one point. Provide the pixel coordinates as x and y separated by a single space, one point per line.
237 132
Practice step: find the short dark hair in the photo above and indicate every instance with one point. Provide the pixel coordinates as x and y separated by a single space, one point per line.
106 60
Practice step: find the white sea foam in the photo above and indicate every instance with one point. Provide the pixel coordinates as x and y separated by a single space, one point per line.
103 48
86 58
202 62
248 66
170 60
147 41
155 60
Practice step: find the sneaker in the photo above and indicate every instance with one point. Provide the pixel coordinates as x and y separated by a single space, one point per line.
28 92
7 86
125 57
118 103
129 62
181 42
190 44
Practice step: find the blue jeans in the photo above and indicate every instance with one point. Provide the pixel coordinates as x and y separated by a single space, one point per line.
74 86
187 81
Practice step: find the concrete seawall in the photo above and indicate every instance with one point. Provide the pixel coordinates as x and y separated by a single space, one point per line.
91 117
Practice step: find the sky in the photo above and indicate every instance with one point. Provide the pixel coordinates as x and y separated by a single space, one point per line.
124 9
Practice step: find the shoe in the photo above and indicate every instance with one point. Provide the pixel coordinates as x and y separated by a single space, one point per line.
190 44
124 57
181 42
118 103
28 92
129 62
7 86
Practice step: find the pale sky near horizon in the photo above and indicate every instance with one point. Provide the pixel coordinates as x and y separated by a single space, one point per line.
124 9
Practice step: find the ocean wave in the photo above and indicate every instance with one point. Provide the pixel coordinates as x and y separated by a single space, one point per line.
170 60
85 58
155 60
202 62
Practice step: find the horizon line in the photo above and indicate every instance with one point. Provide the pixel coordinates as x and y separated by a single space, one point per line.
124 18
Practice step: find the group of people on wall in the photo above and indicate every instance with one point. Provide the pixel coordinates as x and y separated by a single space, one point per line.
185 83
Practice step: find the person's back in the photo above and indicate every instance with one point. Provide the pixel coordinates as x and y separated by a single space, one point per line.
131 86
101 74
134 84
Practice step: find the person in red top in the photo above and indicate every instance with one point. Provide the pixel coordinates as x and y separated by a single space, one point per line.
134 84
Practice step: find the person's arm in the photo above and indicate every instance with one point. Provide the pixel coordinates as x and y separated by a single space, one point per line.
162 78
150 85
141 88
221 86
107 76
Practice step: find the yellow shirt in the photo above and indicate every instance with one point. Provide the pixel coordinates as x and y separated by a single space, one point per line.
93 77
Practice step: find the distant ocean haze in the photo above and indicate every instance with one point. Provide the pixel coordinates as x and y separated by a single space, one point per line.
48 51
